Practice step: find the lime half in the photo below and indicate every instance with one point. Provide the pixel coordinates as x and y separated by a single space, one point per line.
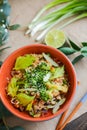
55 38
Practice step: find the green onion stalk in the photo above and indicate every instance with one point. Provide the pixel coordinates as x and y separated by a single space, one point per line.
47 7
76 8
40 37
46 21
83 15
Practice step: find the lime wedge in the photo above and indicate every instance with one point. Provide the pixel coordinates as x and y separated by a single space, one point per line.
55 38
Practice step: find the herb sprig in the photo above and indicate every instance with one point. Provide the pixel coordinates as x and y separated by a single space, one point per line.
74 48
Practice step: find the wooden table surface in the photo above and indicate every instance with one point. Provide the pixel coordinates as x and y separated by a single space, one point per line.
22 12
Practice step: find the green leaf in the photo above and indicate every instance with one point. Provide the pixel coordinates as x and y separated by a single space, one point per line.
3 35
74 46
6 9
3 2
23 62
84 51
3 49
3 17
5 38
7 22
84 43
14 27
77 59
67 50
3 111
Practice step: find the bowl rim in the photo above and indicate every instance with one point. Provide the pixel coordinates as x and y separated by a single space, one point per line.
60 110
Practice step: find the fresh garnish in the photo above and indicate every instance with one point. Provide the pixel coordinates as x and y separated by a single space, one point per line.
50 60
57 106
23 62
12 87
55 38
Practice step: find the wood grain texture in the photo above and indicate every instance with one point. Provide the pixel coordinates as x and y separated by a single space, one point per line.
22 12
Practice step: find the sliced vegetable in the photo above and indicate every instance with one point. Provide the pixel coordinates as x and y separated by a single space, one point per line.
27 89
23 62
49 59
59 72
24 99
12 87
49 93
57 106
63 88
29 106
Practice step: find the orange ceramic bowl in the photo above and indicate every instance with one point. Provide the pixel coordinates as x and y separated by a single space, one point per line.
5 73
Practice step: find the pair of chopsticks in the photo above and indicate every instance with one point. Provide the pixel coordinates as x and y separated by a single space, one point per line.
60 126
60 122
